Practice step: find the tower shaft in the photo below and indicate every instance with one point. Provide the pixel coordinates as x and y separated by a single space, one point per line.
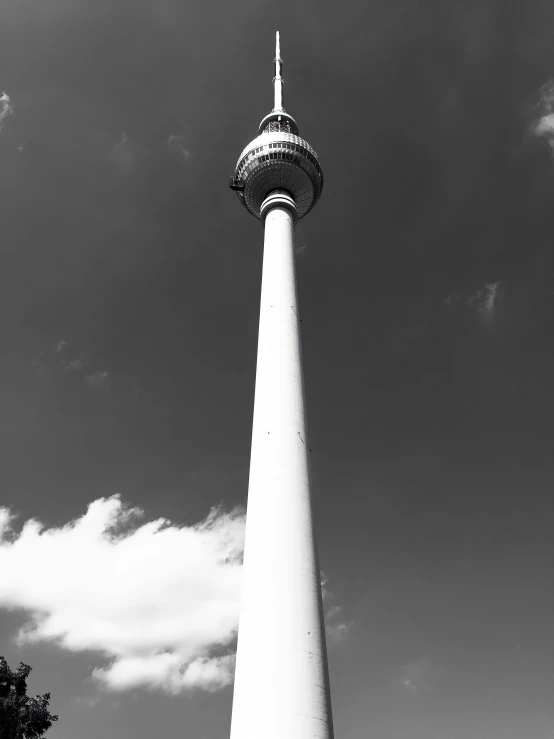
281 681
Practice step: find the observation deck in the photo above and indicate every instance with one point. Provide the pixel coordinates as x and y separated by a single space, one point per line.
278 159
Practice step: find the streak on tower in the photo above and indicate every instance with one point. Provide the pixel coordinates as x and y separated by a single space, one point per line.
281 681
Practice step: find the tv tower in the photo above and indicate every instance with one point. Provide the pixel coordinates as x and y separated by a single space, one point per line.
281 680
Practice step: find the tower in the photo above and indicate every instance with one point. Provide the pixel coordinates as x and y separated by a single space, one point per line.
281 680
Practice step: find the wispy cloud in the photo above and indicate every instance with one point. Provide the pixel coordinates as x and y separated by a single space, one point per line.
62 359
5 107
178 145
98 379
336 627
158 600
483 300
122 156
543 125
420 676
75 365
324 580
88 701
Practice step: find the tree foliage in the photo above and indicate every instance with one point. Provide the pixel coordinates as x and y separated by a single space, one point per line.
21 717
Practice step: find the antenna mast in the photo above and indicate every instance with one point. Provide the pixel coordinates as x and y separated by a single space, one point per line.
278 80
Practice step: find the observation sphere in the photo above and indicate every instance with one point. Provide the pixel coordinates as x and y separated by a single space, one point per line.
278 159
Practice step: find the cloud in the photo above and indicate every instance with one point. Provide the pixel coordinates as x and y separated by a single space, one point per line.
98 379
420 676
62 361
159 601
89 702
122 156
167 670
543 125
324 580
336 628
483 300
177 144
75 365
5 107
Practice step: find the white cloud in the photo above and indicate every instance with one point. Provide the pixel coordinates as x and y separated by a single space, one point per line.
98 379
543 126
177 143
5 107
122 156
75 365
324 580
60 359
491 293
166 670
336 628
159 601
88 701
422 676
483 300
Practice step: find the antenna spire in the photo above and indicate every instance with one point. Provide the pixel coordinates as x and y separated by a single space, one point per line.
278 80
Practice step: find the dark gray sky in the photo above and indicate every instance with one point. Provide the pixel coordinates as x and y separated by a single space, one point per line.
129 297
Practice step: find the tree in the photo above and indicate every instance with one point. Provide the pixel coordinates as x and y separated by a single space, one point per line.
21 717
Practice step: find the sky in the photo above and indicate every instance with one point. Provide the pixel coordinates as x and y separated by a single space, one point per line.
129 294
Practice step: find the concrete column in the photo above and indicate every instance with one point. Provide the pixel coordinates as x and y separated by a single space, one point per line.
281 682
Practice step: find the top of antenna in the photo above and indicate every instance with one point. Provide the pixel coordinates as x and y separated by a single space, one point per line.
278 80
277 159
278 119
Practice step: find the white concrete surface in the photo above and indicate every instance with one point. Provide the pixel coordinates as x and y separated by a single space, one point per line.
281 683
